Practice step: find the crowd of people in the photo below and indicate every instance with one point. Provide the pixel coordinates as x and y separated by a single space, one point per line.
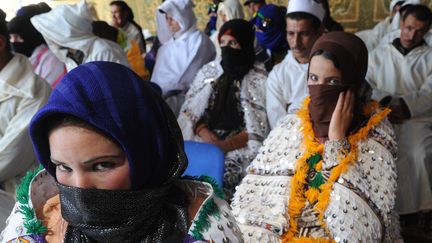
326 135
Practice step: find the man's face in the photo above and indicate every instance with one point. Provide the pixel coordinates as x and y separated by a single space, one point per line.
118 17
301 36
412 32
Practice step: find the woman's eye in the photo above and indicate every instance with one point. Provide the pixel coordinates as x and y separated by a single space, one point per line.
103 166
63 168
313 78
334 82
232 43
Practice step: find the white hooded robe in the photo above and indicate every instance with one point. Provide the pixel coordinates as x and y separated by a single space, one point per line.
410 78
70 26
286 88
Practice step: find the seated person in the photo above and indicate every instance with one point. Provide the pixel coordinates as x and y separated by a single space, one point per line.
22 94
225 105
227 10
401 76
326 174
391 36
183 52
113 155
270 32
26 40
67 30
286 87
123 18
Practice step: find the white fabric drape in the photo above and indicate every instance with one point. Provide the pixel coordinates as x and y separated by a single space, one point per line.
232 9
70 26
410 78
182 53
22 94
47 65
286 88
395 24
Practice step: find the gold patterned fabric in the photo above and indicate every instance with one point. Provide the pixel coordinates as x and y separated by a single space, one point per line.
354 15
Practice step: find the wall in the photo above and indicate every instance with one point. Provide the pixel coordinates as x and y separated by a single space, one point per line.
354 15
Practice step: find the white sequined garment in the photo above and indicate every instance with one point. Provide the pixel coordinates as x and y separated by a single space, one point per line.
361 207
252 99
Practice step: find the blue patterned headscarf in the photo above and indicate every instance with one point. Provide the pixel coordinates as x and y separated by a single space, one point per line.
270 19
113 99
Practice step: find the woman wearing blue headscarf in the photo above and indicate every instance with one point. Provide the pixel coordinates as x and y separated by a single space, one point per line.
113 155
270 32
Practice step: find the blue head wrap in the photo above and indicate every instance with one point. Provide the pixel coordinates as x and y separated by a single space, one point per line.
270 19
113 99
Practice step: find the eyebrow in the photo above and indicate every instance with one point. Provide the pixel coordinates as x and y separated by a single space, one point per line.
299 32
92 160
338 77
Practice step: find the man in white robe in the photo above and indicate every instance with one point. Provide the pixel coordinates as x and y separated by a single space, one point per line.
67 29
371 37
401 75
287 82
389 37
22 93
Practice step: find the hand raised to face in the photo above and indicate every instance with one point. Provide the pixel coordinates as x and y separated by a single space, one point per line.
342 115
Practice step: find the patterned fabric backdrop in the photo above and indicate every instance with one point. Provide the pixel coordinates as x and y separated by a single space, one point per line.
354 15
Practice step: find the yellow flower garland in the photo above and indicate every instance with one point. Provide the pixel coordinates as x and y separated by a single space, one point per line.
298 195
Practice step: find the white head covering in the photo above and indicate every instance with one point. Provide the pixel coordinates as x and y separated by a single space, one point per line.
396 19
179 50
232 10
412 2
307 6
393 4
65 23
182 12
71 26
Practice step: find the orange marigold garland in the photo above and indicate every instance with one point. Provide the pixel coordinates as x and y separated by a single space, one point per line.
321 195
